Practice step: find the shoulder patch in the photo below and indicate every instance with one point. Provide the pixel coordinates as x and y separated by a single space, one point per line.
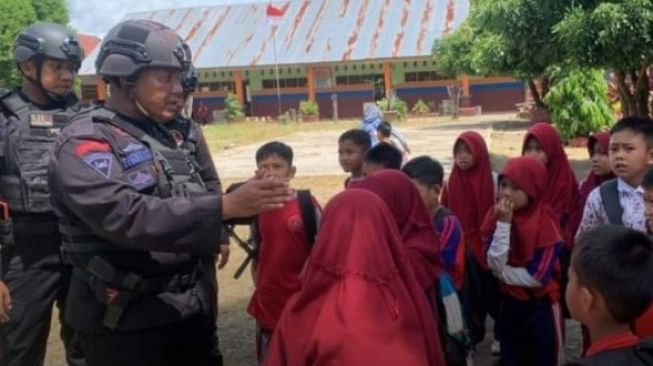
89 146
100 161
142 178
135 158
133 146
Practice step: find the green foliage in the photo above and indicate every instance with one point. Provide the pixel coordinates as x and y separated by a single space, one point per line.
54 11
14 16
309 108
514 36
454 53
615 35
421 107
609 33
233 108
579 104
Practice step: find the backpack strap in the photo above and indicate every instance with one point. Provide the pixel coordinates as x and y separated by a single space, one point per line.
610 199
309 218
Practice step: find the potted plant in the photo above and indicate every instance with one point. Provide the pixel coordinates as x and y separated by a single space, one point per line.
309 111
421 108
394 109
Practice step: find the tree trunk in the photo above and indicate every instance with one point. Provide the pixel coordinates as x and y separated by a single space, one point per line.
535 94
625 95
641 92
545 86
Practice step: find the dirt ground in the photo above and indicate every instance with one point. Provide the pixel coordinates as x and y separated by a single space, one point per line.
316 160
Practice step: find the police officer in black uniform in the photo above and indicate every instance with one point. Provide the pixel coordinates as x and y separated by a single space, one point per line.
136 217
32 274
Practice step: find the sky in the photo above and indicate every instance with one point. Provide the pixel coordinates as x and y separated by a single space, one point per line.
97 17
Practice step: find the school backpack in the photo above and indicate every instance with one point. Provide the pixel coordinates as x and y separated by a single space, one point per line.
610 198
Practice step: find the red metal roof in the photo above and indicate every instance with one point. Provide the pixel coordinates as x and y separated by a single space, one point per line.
315 31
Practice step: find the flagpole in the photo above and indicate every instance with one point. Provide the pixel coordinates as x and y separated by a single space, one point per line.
276 71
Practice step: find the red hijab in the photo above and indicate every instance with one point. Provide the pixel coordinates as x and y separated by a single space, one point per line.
360 303
413 220
535 226
592 181
470 194
561 192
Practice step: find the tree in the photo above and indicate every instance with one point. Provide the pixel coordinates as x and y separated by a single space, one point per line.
454 57
54 11
14 16
453 54
616 35
514 37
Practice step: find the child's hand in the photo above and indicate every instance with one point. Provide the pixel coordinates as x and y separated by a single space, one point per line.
504 210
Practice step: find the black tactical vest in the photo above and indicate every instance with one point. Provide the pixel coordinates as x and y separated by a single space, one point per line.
27 136
104 265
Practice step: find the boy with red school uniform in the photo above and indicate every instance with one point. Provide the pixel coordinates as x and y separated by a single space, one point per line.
283 246
523 244
607 294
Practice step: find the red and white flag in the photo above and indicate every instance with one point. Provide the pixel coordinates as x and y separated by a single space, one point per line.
274 14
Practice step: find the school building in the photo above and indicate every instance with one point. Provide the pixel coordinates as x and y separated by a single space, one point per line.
324 49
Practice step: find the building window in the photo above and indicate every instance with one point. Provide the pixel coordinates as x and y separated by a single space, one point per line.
422 76
358 79
89 92
285 83
217 86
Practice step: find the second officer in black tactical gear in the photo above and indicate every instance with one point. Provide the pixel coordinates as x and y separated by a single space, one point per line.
136 217
32 274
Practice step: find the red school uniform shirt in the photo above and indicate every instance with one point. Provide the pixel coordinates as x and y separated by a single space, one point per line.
283 251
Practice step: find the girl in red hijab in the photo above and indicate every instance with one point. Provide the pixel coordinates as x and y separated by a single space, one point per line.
543 143
470 189
524 241
417 233
360 303
470 193
598 146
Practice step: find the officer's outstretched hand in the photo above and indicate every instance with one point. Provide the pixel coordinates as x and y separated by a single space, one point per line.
223 256
258 194
5 303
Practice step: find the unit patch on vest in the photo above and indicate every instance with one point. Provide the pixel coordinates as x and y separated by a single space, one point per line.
141 178
41 120
133 146
178 137
100 161
136 158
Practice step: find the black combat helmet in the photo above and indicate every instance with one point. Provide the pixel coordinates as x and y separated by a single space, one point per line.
136 44
47 40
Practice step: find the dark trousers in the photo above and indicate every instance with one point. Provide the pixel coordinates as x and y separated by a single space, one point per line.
186 343
531 332
211 273
480 299
36 279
